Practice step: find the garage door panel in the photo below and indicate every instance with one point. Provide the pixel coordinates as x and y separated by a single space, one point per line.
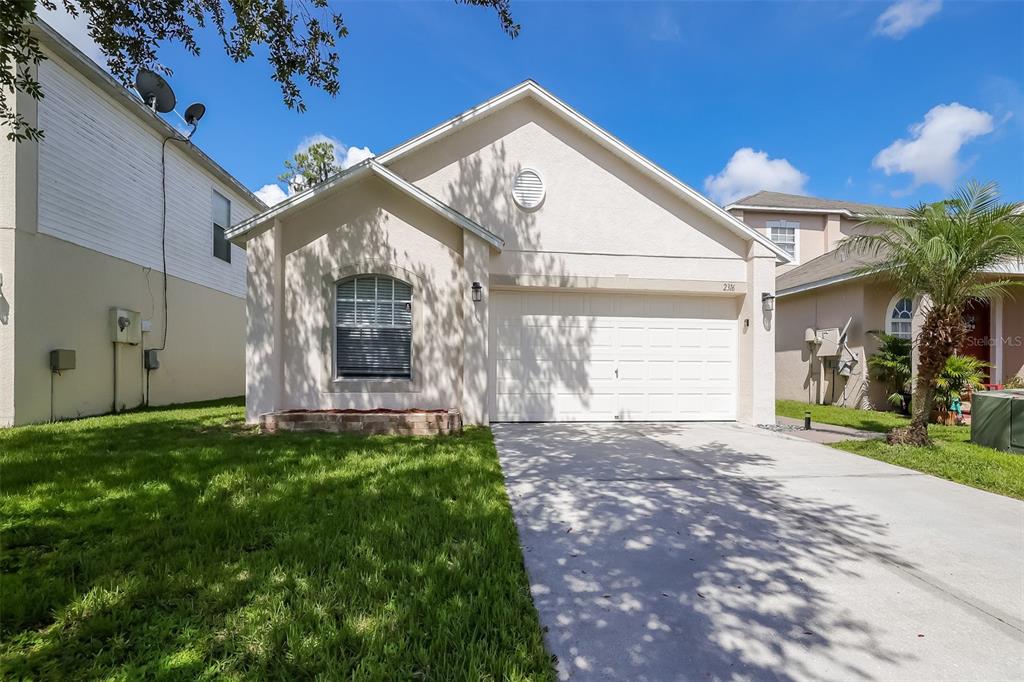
662 371
723 339
661 337
562 356
538 304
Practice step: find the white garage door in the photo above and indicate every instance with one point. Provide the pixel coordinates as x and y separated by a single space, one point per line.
606 357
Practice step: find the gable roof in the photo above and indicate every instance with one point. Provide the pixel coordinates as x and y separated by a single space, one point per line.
777 201
92 72
528 88
829 268
531 89
248 228
835 267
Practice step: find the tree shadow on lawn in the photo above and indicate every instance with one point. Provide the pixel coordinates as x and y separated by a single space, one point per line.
177 548
658 557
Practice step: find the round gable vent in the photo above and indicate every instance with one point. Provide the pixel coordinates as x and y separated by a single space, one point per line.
528 189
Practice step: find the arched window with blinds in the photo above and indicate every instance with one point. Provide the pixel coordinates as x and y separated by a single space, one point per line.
373 327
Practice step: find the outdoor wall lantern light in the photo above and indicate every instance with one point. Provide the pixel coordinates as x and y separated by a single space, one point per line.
478 292
767 302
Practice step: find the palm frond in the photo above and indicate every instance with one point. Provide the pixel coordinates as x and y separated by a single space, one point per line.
942 250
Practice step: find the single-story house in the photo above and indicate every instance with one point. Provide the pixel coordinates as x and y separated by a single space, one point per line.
518 263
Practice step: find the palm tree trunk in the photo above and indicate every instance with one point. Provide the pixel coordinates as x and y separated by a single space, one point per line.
940 337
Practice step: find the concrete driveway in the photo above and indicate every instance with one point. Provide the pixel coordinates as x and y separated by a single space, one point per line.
719 551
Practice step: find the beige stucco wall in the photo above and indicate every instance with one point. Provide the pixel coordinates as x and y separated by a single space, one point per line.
810 237
600 216
371 228
7 293
602 224
799 376
818 233
63 300
19 166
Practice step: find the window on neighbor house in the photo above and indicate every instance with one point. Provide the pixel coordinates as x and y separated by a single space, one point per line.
901 315
221 222
783 233
373 327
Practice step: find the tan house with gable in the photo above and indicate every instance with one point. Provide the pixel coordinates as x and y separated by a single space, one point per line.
806 227
517 263
824 291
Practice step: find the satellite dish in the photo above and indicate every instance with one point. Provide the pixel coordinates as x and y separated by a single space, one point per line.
846 328
194 113
155 91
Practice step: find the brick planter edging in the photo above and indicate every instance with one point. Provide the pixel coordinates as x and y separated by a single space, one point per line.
367 423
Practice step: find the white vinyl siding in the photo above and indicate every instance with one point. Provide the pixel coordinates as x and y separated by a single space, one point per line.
99 185
373 327
612 357
784 234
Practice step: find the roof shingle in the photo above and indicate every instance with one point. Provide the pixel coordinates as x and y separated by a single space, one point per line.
784 201
822 270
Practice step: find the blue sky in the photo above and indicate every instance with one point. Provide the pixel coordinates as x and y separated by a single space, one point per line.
885 102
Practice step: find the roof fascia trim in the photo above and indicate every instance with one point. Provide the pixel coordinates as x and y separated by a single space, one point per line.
368 167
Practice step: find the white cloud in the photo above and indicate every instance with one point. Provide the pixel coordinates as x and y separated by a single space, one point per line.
748 172
932 153
74 29
901 17
271 194
354 155
344 156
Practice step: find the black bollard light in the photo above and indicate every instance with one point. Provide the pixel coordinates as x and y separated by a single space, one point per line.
807 421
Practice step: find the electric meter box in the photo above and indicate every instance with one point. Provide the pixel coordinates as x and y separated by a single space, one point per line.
62 359
125 326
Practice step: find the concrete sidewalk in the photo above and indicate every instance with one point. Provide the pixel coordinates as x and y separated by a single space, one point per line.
825 433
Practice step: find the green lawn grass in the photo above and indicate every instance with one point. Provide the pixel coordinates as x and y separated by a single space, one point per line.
177 543
952 455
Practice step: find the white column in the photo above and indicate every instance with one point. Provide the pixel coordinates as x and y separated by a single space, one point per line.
832 231
264 361
476 261
757 341
996 339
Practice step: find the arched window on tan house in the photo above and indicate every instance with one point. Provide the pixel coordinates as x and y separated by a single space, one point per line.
900 316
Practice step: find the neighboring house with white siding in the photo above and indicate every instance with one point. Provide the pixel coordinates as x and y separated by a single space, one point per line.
81 225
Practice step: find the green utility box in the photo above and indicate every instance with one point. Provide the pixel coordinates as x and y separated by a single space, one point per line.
997 420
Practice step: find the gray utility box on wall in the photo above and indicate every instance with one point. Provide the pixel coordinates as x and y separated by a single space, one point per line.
125 326
997 420
62 359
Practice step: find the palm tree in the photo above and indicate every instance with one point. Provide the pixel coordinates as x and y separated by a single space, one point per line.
940 252
891 366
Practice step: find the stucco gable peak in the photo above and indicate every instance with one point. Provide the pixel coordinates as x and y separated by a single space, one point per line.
532 90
